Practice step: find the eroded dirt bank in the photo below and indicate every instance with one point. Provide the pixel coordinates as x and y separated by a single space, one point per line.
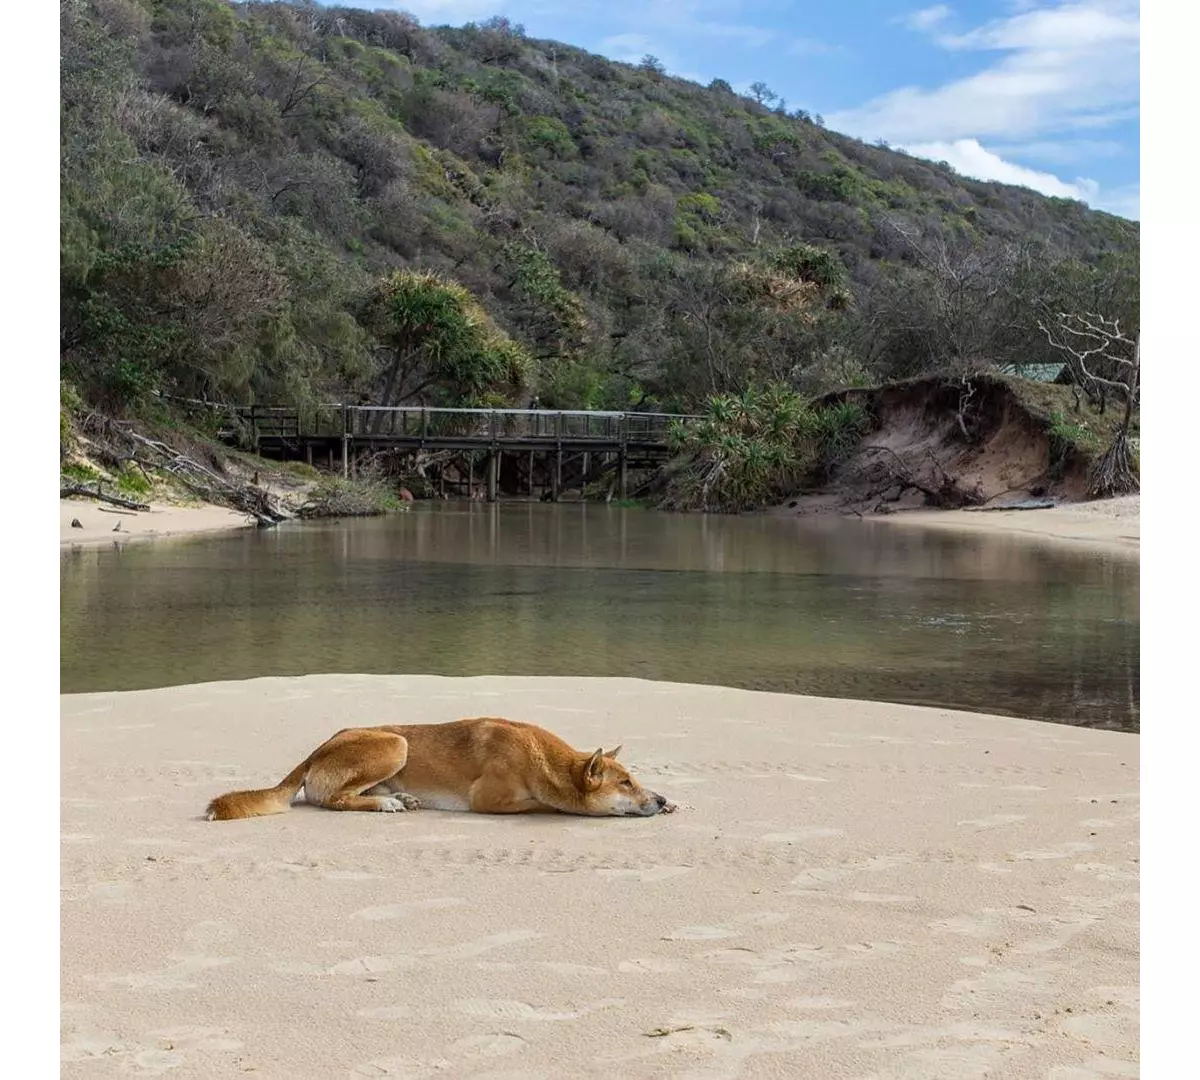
940 443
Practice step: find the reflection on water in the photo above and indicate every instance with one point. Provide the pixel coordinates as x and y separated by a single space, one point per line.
836 608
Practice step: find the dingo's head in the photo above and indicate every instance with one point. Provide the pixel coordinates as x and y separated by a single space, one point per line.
609 791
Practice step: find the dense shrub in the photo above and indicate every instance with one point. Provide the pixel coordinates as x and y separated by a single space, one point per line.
239 180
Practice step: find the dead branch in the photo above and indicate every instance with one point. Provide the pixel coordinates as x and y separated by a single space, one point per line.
947 495
125 443
1085 338
116 500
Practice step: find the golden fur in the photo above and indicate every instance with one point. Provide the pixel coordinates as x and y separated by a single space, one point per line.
487 765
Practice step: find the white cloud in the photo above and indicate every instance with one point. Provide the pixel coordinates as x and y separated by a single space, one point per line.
971 159
1063 66
629 48
927 18
1078 25
1066 152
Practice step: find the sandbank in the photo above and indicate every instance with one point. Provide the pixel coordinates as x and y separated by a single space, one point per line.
850 890
161 520
1111 524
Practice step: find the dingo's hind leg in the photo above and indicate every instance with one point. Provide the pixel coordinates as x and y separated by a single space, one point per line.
356 762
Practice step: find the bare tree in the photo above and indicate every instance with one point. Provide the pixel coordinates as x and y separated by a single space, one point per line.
1100 356
969 293
964 316
762 93
1093 344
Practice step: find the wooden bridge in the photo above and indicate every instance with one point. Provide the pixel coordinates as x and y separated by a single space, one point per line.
343 435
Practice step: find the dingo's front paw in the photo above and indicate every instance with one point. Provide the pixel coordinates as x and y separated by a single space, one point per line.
397 804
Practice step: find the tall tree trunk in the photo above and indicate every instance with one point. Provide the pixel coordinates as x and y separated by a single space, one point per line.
389 388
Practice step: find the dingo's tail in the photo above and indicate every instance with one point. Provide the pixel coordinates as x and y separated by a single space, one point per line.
244 804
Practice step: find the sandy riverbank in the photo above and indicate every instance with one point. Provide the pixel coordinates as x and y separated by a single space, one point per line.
851 890
1113 524
161 520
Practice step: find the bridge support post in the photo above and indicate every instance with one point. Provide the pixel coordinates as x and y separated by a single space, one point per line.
531 474
556 476
308 453
345 443
493 474
623 467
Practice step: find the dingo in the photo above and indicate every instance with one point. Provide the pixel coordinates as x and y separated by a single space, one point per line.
487 765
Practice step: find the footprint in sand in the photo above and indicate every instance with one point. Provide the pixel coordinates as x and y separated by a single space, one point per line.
812 1031
495 1045
992 991
1128 997
179 976
510 1009
210 932
1106 872
645 874
466 950
386 1012
573 970
159 1051
399 911
881 898
700 933
1102 1032
404 1068
971 1062
649 965
373 965
805 1003
1098 1068
994 821
753 920
1063 851
986 923
798 836
817 879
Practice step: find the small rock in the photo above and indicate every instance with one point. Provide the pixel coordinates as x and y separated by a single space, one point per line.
75 524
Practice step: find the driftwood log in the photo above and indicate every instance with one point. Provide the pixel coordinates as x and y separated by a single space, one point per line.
198 478
102 496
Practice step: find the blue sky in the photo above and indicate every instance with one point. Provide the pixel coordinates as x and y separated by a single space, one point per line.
1035 92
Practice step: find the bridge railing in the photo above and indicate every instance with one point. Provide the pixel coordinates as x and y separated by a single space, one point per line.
412 421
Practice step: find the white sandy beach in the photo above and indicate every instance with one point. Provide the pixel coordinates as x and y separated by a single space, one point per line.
851 890
161 520
1112 524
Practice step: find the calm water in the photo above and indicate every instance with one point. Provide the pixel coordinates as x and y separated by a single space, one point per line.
837 608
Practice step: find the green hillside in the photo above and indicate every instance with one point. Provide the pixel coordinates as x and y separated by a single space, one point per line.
285 202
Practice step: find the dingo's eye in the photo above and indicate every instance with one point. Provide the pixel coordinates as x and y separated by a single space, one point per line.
627 784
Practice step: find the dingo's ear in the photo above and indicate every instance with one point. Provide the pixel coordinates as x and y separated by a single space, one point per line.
613 753
593 771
